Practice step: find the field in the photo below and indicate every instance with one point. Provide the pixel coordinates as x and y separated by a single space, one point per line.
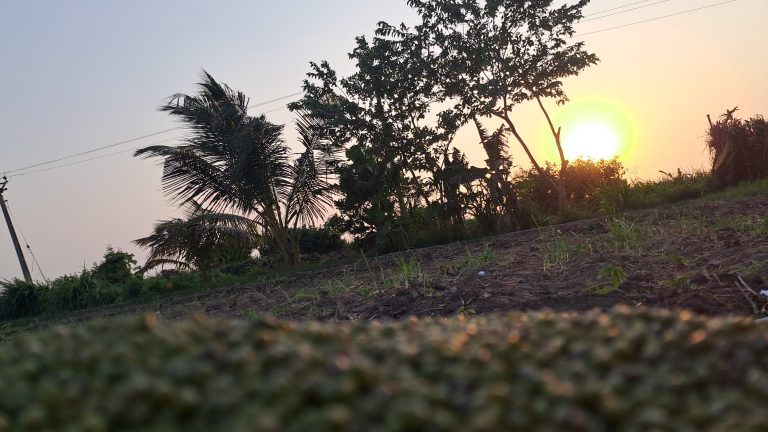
708 255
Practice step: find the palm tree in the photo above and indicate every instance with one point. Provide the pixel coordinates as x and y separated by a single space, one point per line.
231 161
203 240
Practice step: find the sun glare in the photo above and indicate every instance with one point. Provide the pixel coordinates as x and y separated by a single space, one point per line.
594 129
591 140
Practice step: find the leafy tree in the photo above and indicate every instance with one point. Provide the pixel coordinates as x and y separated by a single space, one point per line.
232 161
378 115
486 57
203 240
116 266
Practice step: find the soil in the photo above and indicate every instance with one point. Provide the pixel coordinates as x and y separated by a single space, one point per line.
708 257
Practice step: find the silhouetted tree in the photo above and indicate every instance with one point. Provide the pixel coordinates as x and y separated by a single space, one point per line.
202 240
486 57
234 161
378 116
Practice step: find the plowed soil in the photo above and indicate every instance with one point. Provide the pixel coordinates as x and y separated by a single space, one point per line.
709 257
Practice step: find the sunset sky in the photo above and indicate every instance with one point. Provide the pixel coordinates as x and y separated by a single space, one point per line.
78 75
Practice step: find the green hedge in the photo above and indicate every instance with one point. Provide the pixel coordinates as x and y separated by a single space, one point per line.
625 370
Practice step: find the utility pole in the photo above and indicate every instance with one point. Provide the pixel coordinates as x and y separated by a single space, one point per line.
19 252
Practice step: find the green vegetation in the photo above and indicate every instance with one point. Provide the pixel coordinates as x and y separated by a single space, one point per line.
609 279
557 251
624 235
623 370
109 282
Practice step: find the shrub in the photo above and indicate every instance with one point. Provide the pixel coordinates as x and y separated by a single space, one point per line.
623 370
584 179
739 149
19 299
312 240
116 266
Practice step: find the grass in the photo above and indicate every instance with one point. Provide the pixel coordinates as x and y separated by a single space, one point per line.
625 235
403 274
557 251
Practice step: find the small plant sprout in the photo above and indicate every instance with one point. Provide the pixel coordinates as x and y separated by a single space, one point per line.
609 279
624 234
557 252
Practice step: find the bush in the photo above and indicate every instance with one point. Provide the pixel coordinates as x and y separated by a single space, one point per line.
624 370
739 149
19 299
584 180
312 240
116 266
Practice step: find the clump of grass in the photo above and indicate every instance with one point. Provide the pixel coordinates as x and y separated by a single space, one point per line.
557 251
405 272
624 234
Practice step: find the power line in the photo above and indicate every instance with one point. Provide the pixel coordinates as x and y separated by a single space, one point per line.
275 100
656 18
90 151
86 160
135 139
623 11
614 8
29 248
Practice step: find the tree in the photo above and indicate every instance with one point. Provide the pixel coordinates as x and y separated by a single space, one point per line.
232 161
202 240
487 56
378 116
116 266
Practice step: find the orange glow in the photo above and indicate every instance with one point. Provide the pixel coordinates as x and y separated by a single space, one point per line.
594 130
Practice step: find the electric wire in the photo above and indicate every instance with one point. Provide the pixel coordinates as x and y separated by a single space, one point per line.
109 154
87 160
26 243
624 11
136 139
656 18
614 8
275 100
91 151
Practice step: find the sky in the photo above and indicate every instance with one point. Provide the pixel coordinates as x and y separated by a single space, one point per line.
79 75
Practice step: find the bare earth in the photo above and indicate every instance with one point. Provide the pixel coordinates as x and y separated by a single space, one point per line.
709 257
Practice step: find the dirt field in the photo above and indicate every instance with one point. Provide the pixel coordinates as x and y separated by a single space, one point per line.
710 257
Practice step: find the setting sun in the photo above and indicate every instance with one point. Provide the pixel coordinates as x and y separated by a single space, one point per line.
594 129
591 140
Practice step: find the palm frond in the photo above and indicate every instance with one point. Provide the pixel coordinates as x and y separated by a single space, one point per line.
201 239
310 193
230 160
